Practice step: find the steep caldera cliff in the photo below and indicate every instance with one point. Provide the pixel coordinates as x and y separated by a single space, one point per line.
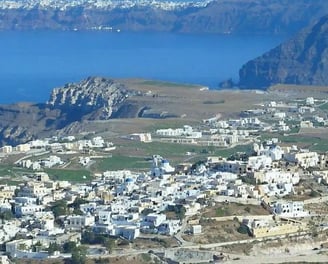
221 16
301 60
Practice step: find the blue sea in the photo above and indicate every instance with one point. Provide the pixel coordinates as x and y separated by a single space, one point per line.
32 63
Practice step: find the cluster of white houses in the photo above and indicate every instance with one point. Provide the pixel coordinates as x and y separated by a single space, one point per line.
125 204
54 144
274 117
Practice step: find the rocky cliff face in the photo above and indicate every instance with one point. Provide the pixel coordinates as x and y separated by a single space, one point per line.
221 16
252 16
91 99
301 60
98 97
23 122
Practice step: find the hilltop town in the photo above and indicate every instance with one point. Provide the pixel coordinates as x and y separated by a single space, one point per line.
221 189
185 16
101 4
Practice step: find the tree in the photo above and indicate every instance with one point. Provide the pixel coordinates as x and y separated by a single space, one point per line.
53 247
37 246
69 247
314 193
6 215
179 210
22 247
201 201
77 202
89 237
77 211
59 208
79 255
109 243
242 229
247 209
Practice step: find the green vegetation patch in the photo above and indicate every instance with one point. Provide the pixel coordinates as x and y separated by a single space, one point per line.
313 143
118 162
69 175
169 149
294 130
231 151
214 102
320 147
219 212
12 171
310 142
146 257
324 106
10 182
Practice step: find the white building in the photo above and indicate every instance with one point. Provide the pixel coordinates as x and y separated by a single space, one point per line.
39 144
46 219
88 207
142 137
6 149
29 209
309 101
161 166
305 159
98 142
51 161
276 176
196 229
84 161
306 109
128 232
80 221
274 152
186 131
279 115
289 209
154 220
258 162
22 148
104 217
306 124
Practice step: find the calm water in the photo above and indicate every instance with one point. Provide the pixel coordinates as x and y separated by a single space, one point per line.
32 63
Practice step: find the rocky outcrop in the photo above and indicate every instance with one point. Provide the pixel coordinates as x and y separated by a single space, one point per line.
97 97
301 60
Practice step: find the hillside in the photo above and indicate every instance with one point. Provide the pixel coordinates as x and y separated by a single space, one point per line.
301 60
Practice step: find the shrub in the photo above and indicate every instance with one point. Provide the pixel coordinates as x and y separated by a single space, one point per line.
242 229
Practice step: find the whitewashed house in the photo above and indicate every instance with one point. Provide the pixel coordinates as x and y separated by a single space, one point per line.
80 221
154 220
258 162
289 209
304 159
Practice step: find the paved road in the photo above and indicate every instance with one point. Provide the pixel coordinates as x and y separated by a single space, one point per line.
222 199
178 236
319 256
